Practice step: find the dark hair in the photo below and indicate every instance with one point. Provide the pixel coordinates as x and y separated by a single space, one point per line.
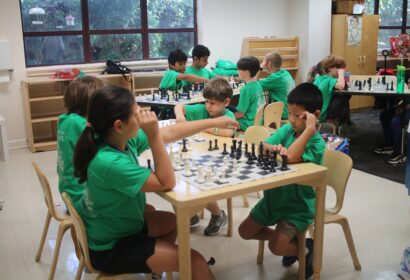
177 56
306 95
218 89
78 92
324 65
200 51
249 63
106 105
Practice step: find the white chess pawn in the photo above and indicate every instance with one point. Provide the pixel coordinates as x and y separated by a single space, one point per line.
171 153
208 178
193 166
181 158
225 162
187 172
215 172
200 179
222 179
177 163
235 168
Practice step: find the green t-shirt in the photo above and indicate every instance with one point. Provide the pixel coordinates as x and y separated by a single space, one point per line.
326 85
279 84
169 81
201 72
251 98
70 127
113 206
293 203
198 112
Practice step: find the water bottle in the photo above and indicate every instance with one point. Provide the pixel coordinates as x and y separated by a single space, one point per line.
400 78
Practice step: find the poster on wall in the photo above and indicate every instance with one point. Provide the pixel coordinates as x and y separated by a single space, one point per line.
354 31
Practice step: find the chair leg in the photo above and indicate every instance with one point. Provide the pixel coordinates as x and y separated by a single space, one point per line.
349 239
43 236
261 252
80 269
302 254
62 228
75 241
311 231
201 214
230 216
245 201
169 276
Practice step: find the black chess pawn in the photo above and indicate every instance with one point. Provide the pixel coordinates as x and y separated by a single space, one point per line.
266 164
364 83
232 155
391 86
273 161
153 96
168 97
224 152
384 80
284 166
387 86
356 83
246 150
240 145
189 95
250 160
378 80
272 166
149 164
210 146
360 85
184 149
259 161
234 141
216 145
253 155
238 154
260 148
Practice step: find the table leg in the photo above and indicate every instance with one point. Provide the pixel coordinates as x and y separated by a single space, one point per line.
184 243
319 226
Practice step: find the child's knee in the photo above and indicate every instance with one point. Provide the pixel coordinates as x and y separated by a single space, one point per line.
197 260
243 232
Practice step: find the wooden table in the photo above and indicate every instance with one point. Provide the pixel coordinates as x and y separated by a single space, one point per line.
189 200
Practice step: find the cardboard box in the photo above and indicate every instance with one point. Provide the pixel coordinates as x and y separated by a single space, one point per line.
346 6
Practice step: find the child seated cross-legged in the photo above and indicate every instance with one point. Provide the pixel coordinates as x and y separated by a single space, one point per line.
292 207
173 78
217 94
251 96
122 236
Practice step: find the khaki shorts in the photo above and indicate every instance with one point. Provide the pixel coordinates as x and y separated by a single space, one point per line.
287 228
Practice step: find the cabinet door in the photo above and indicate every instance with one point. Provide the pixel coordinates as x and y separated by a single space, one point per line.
370 33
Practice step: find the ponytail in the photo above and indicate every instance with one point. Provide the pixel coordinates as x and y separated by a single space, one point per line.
85 151
315 70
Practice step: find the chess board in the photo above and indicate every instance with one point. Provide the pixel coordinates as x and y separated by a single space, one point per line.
247 172
194 139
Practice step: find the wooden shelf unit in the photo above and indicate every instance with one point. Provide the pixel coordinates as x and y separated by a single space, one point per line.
144 82
287 47
43 100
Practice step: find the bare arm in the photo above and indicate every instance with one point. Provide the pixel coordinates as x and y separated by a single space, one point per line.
340 84
221 132
163 178
180 112
239 115
183 130
192 78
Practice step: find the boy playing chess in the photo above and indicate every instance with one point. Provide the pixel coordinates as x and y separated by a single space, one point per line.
173 78
200 56
251 96
217 94
292 207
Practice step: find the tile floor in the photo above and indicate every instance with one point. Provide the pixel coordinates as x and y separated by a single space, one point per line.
378 211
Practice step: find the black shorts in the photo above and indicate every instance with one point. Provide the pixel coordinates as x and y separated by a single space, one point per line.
129 255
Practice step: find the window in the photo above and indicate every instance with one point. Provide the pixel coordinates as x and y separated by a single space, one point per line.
87 31
394 16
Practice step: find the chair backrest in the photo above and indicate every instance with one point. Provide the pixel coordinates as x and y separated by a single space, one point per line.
259 115
80 232
255 134
339 166
273 114
48 196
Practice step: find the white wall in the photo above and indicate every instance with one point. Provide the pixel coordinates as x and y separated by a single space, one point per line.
222 26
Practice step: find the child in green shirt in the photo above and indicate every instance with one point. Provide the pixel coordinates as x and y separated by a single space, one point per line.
70 126
329 75
251 96
173 78
124 237
200 55
217 94
290 207
279 83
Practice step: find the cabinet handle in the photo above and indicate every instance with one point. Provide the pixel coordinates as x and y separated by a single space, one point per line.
360 59
364 59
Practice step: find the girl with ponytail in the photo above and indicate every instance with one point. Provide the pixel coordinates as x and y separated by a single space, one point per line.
122 236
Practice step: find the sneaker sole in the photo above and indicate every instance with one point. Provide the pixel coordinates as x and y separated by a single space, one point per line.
384 152
215 233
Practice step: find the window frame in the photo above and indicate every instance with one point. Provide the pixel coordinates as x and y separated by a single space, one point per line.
403 27
86 33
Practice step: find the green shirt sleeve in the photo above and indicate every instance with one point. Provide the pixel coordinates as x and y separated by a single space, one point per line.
169 81
196 112
245 98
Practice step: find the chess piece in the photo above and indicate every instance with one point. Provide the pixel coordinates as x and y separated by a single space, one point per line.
378 80
168 97
216 144
225 162
234 144
232 155
171 153
184 149
253 155
149 164
200 179
208 178
391 86
384 80
387 86
246 150
240 145
189 95
284 166
224 151
360 85
261 148
238 154
153 95
193 166
356 83
235 168
274 156
210 146
177 163
222 179
259 162
272 166
187 172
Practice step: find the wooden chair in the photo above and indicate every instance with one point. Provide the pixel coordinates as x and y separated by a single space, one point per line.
339 167
254 134
273 115
52 212
83 245
259 115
